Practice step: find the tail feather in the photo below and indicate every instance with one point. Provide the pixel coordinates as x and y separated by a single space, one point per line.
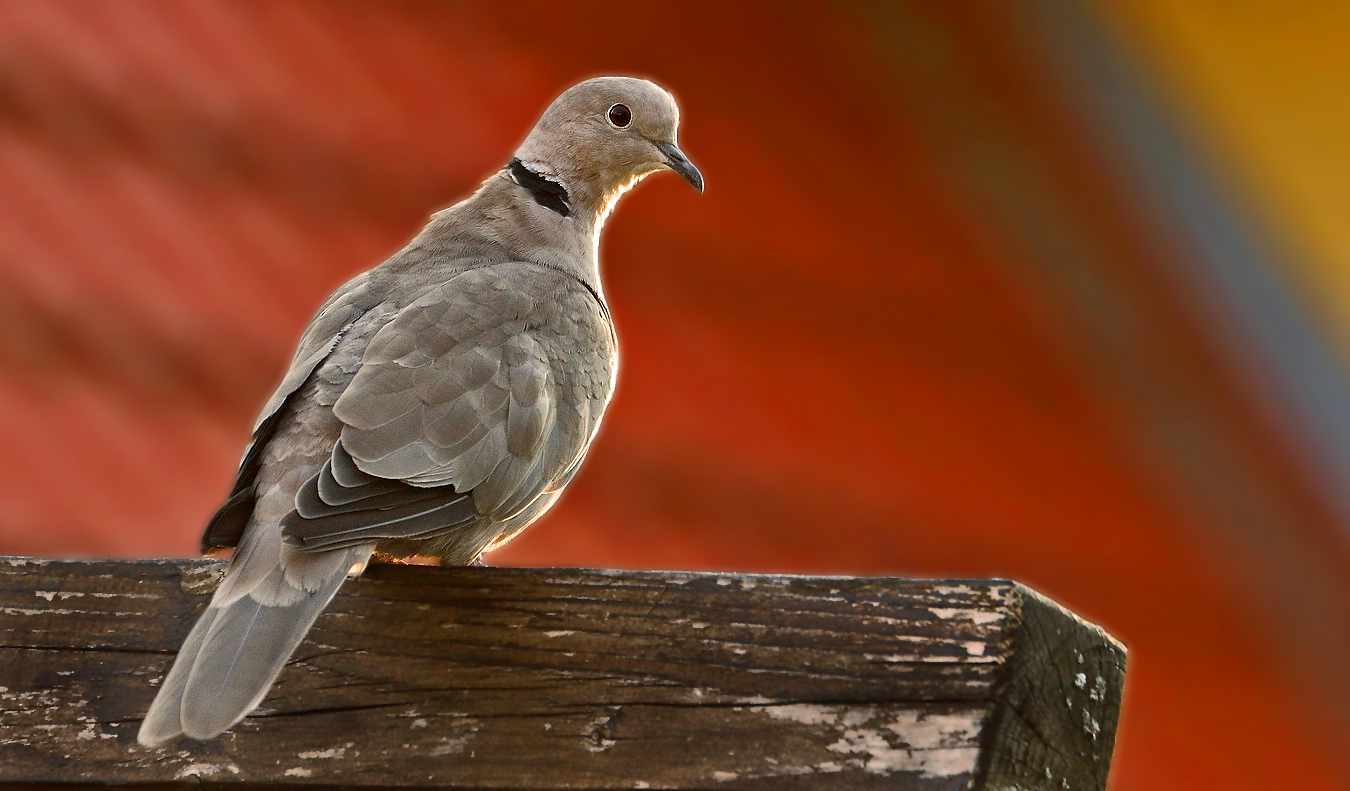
251 643
164 721
238 648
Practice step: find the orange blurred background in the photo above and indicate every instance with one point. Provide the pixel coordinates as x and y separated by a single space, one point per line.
1057 293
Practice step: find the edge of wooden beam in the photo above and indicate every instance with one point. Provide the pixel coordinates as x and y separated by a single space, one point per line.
838 682
1068 681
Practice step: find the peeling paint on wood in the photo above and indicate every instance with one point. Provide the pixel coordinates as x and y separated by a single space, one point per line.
511 678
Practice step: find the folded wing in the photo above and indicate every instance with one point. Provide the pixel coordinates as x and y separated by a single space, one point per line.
469 404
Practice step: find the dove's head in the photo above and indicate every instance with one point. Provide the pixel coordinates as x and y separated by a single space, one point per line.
601 136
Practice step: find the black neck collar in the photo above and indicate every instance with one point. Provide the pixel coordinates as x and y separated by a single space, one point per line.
546 192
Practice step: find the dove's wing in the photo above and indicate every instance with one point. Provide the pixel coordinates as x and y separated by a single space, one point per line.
471 402
342 310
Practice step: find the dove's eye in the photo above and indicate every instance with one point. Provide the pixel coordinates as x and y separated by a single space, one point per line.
620 116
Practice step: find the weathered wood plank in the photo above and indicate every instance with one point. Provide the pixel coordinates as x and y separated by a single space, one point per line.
543 678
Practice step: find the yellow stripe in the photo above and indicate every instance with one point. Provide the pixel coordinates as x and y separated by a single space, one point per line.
1266 85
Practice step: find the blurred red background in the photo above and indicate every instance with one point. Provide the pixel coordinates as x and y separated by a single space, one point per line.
975 290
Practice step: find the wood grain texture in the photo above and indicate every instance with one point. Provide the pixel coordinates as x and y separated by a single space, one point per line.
475 678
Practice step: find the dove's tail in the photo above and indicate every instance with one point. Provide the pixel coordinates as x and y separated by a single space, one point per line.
237 649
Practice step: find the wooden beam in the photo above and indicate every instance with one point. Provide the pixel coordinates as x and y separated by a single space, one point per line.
473 678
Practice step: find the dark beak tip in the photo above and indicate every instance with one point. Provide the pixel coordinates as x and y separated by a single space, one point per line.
690 173
678 162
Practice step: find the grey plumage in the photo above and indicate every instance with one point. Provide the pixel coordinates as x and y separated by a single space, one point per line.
437 404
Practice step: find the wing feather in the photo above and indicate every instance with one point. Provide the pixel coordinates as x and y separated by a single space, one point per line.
469 404
335 318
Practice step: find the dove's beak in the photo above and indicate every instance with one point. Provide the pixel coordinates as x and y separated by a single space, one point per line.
678 162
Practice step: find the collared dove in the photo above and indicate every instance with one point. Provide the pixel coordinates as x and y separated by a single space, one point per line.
437 404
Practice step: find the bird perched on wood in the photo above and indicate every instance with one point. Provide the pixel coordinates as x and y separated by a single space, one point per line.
437 404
